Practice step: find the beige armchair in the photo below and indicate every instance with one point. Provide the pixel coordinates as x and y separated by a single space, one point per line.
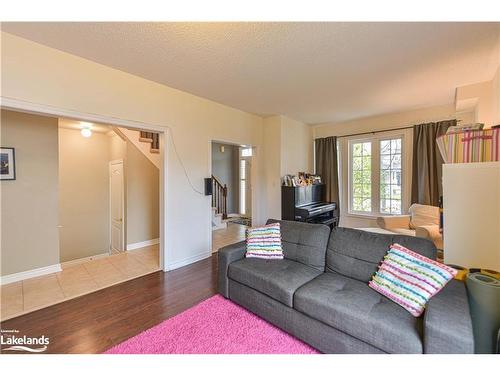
422 221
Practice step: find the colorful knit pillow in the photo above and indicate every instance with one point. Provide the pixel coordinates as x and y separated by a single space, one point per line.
410 279
264 242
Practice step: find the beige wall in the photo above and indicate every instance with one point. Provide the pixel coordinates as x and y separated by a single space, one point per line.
385 122
496 97
142 197
29 204
296 147
117 148
480 96
83 194
288 148
272 166
377 123
38 74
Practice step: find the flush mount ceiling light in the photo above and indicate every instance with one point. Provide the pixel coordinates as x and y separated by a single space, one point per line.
86 129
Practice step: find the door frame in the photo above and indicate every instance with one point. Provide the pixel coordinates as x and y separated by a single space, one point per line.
248 160
124 246
253 177
17 105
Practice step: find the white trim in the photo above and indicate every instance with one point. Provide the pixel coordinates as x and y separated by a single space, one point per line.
117 162
12 278
166 245
406 155
83 260
189 260
364 216
36 108
138 245
132 137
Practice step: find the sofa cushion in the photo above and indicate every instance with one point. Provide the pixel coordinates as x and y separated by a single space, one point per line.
410 279
303 242
279 279
357 253
264 242
354 308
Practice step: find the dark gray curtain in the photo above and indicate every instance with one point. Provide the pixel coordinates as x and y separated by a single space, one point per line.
326 166
426 187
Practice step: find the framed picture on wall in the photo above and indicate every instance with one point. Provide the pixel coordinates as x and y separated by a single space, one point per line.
7 163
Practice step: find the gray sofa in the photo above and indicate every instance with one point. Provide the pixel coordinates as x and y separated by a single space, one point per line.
319 293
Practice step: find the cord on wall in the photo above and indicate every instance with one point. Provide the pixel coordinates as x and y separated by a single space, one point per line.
181 162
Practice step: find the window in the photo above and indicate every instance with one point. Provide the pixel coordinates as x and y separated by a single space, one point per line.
246 152
376 175
243 186
362 176
390 176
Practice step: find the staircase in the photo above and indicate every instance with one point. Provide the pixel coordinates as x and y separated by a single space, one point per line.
217 221
219 204
153 139
147 143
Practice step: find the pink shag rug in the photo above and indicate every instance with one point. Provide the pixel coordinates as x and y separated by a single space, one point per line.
215 326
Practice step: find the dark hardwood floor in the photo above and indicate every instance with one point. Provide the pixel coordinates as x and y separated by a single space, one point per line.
95 322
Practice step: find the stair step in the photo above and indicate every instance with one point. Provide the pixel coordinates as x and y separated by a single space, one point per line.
149 140
155 150
219 226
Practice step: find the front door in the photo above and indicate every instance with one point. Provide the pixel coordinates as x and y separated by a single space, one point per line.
116 205
245 182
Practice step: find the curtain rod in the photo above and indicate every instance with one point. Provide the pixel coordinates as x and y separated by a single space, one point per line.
374 132
382 131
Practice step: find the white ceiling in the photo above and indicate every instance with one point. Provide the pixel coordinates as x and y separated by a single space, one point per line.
79 125
313 72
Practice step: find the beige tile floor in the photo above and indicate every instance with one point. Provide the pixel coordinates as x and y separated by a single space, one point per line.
33 294
222 237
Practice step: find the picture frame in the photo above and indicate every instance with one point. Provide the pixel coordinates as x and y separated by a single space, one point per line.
7 163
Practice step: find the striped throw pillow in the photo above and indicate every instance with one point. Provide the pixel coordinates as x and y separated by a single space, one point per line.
410 279
264 242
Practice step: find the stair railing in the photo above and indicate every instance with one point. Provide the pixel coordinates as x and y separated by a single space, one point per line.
154 138
219 196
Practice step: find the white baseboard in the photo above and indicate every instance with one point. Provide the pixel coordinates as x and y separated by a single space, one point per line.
12 278
189 260
83 260
138 245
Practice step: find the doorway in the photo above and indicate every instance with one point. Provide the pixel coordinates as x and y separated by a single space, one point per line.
245 182
84 191
161 130
231 211
116 210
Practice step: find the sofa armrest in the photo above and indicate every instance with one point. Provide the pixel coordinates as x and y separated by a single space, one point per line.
388 222
431 232
447 321
227 255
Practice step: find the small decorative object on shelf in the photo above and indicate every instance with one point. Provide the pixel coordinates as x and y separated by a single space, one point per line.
303 179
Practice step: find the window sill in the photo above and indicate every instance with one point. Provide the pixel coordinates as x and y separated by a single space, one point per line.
362 216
